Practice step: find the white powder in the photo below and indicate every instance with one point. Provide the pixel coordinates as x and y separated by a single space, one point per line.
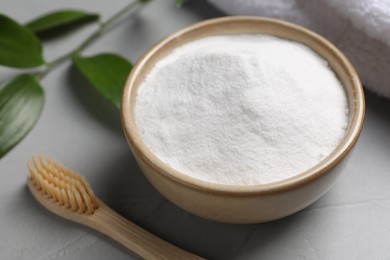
242 109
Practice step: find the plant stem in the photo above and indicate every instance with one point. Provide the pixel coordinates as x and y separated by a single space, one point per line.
106 24
91 38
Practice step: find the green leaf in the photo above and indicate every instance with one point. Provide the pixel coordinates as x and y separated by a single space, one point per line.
19 47
21 103
179 3
106 72
60 20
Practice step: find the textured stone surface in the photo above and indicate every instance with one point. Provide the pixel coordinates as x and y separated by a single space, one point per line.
79 129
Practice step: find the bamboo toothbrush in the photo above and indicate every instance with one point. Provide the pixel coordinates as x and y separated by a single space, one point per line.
67 194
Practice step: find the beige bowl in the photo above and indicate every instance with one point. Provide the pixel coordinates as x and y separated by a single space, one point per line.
250 203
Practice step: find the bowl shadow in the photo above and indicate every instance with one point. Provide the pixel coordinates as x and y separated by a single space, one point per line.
128 192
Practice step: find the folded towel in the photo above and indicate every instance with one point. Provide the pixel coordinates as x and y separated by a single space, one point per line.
360 28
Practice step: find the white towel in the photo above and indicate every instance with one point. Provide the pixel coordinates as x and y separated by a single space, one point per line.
360 28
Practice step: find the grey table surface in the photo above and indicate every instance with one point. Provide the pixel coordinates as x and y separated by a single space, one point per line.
80 129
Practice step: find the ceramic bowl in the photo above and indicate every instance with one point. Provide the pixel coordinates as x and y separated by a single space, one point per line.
239 203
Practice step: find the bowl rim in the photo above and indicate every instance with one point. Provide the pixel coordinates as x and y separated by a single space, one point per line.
147 156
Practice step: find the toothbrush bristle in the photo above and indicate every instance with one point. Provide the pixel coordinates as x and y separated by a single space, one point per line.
62 185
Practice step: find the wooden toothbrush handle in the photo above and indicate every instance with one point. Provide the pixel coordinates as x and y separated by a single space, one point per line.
133 237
